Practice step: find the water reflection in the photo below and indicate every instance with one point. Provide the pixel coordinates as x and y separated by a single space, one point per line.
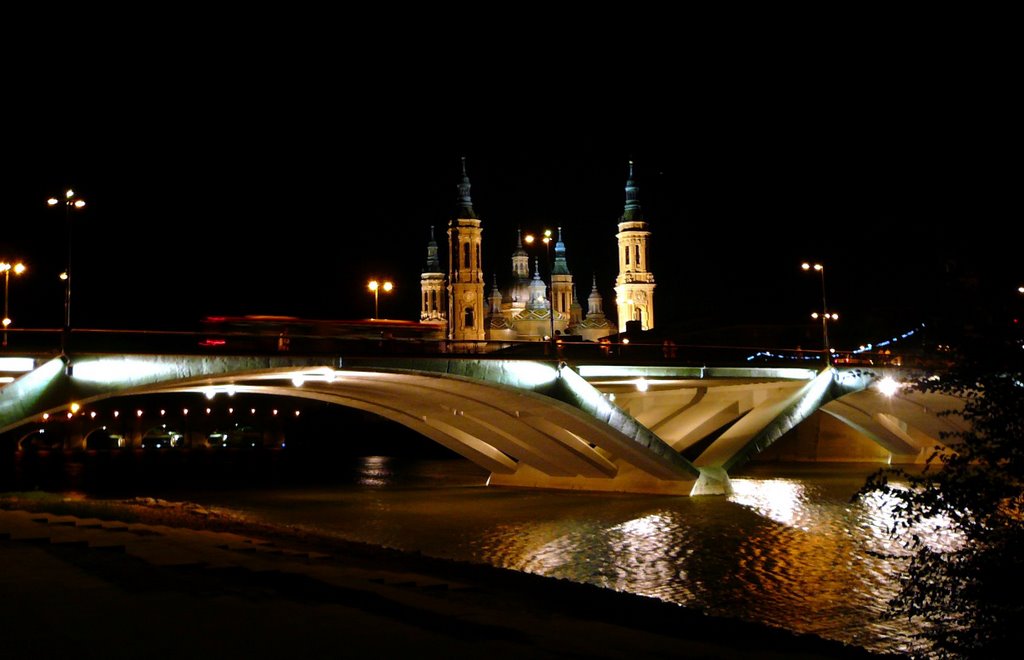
790 551
374 471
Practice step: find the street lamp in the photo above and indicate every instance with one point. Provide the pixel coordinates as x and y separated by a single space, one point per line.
70 201
825 316
376 287
529 238
6 269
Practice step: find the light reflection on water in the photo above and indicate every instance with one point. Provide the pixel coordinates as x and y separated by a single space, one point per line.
788 551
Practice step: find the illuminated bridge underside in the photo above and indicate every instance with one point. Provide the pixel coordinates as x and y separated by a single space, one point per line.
724 416
502 415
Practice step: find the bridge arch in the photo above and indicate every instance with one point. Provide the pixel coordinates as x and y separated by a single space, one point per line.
499 415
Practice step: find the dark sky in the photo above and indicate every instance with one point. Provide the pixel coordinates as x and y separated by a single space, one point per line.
279 185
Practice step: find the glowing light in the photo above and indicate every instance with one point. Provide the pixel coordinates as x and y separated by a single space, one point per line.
162 412
120 370
531 374
184 411
63 276
274 411
296 413
231 411
75 407
298 381
210 393
79 203
92 415
641 385
388 286
46 416
888 386
53 201
252 411
138 413
17 364
373 285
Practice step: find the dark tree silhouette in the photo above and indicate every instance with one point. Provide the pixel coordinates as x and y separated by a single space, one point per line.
970 591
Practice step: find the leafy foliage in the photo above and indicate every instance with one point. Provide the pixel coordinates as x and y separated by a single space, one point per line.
970 592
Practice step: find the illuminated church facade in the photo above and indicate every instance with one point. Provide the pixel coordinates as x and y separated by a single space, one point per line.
528 308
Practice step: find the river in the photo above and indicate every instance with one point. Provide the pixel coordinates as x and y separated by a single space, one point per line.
788 548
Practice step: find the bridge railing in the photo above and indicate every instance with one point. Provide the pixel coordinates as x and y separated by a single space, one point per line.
49 342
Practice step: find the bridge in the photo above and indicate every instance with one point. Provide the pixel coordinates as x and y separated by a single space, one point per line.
603 425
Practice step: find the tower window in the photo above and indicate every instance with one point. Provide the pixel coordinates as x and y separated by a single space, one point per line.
478 256
627 255
469 317
433 301
637 249
465 255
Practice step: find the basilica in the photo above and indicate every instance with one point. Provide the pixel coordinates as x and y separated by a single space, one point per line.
528 308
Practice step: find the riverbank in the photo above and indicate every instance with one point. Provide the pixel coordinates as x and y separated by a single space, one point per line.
144 577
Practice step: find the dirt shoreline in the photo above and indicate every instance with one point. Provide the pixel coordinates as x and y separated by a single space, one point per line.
459 609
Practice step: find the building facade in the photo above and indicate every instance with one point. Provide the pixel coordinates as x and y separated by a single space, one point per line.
527 308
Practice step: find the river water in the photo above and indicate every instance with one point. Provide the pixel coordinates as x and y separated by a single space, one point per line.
787 549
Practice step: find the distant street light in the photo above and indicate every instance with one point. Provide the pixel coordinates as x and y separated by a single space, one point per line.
376 287
529 239
825 316
1020 289
6 269
70 201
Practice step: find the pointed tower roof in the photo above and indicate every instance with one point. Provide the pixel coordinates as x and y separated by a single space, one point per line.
465 207
433 263
519 251
560 267
631 211
538 289
595 303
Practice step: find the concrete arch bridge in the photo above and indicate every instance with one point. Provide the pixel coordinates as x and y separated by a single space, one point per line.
604 427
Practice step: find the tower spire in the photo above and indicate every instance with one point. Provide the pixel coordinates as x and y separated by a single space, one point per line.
433 262
465 200
560 266
631 211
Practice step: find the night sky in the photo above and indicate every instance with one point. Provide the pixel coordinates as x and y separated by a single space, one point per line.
260 188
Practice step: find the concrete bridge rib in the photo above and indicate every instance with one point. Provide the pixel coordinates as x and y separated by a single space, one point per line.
485 412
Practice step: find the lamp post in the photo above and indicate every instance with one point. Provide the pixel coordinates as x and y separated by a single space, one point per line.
6 268
376 287
70 201
529 238
825 315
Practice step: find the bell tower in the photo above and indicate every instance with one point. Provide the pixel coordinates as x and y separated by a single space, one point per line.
467 306
634 287
432 305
